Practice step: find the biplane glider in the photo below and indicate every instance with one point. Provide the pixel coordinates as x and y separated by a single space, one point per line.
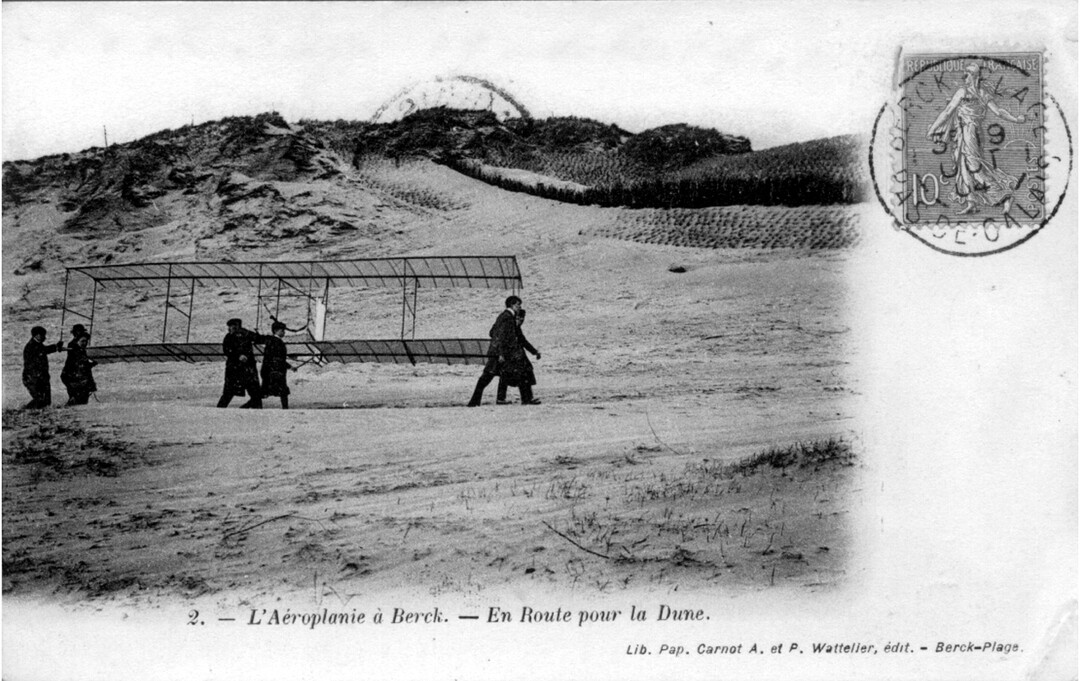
306 279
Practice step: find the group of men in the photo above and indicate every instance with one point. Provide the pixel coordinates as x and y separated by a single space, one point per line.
506 359
241 373
77 375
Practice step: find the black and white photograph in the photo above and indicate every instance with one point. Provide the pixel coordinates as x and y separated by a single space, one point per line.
539 340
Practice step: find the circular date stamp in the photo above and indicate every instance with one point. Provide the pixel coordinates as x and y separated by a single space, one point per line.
972 156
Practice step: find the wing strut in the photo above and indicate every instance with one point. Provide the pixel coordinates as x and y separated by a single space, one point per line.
408 308
65 309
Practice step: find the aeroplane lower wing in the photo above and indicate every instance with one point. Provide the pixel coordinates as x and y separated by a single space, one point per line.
393 351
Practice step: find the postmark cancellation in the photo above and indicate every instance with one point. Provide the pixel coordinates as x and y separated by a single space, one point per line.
978 152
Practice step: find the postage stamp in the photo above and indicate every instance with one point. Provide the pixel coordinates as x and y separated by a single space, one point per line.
974 137
969 166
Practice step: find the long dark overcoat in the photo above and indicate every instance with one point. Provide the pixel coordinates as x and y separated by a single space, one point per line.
35 374
241 375
78 375
517 370
275 365
504 342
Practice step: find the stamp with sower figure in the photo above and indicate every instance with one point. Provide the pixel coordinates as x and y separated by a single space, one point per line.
968 166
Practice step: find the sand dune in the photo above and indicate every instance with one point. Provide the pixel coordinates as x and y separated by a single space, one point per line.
653 383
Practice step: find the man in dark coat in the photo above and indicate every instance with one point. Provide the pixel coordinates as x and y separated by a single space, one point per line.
36 368
241 373
518 370
275 364
78 372
504 343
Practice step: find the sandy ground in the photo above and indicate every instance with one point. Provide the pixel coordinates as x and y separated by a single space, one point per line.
653 383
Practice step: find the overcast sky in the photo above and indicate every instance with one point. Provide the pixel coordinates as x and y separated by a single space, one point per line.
776 72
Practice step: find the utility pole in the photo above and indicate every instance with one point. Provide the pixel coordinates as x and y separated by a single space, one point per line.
106 132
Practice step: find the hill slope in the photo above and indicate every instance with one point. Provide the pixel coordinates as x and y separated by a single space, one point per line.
260 185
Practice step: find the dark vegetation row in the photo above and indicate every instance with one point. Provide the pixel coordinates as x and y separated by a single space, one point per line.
666 167
780 186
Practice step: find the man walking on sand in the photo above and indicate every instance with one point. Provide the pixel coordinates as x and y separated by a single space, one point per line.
275 364
36 368
241 374
505 344
517 371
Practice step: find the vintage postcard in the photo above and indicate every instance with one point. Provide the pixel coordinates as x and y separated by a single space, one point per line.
541 340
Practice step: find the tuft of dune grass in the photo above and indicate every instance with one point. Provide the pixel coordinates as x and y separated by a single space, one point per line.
799 454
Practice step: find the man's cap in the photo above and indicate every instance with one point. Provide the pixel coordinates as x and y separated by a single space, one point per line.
234 322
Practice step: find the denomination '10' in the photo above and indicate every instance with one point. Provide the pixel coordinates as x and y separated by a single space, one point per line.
919 189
